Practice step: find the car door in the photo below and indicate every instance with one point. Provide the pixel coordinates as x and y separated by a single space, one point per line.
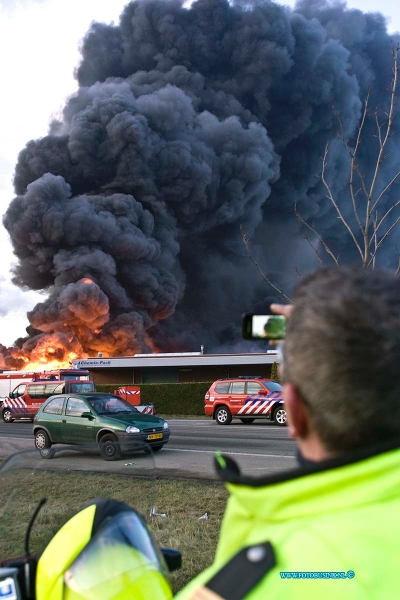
274 396
76 429
35 396
16 403
50 417
236 396
256 400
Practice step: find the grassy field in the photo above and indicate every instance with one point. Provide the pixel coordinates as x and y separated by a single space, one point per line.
182 501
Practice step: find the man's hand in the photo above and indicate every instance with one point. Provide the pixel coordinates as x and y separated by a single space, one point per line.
282 309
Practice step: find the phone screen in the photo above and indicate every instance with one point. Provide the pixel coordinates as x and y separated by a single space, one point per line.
267 327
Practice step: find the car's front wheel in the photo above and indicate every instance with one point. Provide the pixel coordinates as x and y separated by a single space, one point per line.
7 416
43 444
109 447
223 415
279 416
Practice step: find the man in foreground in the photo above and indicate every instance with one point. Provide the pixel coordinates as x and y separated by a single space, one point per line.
331 527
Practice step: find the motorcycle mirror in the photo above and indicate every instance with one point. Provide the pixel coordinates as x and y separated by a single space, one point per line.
20 477
173 558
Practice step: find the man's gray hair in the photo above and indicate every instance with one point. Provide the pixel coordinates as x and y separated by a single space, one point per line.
342 352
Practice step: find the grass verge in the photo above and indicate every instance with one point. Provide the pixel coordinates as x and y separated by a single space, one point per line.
182 501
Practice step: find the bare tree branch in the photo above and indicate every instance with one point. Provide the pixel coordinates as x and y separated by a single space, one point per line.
267 279
300 275
398 269
379 244
370 244
321 239
363 186
379 128
352 154
365 224
389 210
375 239
382 143
332 199
386 189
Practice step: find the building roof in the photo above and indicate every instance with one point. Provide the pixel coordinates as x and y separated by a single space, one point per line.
189 359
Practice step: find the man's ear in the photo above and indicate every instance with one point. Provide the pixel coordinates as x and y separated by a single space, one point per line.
297 412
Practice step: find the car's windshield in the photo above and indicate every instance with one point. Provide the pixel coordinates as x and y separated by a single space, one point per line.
81 388
273 387
108 404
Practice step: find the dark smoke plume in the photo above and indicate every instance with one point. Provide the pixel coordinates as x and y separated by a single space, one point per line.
187 124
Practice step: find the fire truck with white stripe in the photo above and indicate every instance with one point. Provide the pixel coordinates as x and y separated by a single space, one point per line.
23 392
31 389
247 398
10 379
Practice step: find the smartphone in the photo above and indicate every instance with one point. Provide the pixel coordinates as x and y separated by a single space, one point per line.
263 327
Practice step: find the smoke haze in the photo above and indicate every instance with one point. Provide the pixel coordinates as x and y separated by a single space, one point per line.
188 123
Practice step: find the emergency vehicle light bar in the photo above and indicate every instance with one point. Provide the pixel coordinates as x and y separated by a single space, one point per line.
242 377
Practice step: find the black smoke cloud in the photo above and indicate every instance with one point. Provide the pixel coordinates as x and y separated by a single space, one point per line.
188 123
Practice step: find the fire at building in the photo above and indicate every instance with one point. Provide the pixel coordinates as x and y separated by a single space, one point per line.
188 123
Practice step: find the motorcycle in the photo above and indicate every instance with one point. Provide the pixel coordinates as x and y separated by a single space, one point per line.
75 546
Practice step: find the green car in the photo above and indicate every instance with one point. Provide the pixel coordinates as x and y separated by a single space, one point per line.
95 418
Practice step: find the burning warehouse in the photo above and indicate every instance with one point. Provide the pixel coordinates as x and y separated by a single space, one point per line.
179 367
188 123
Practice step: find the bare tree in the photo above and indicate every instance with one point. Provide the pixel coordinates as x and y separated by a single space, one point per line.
257 265
368 226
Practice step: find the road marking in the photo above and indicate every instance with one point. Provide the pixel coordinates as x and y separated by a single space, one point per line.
19 439
188 421
230 453
211 422
265 425
265 422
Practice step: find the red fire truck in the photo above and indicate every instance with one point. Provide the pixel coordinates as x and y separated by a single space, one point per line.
23 392
30 389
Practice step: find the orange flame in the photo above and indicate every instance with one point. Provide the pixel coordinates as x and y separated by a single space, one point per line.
57 350
49 354
153 347
48 365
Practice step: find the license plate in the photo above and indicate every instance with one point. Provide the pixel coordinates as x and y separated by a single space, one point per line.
154 436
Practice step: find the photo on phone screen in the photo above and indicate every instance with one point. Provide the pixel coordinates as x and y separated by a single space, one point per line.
268 327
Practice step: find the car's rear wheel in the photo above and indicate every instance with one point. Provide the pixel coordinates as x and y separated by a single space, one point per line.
43 444
109 447
247 421
279 416
223 415
7 416
157 448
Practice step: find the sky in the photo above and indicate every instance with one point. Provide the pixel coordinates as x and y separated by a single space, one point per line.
39 49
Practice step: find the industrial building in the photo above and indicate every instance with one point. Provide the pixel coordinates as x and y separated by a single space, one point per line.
176 367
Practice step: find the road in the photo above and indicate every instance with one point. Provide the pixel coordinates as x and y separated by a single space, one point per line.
259 449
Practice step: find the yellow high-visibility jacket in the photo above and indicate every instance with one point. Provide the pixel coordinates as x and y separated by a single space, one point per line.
325 531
